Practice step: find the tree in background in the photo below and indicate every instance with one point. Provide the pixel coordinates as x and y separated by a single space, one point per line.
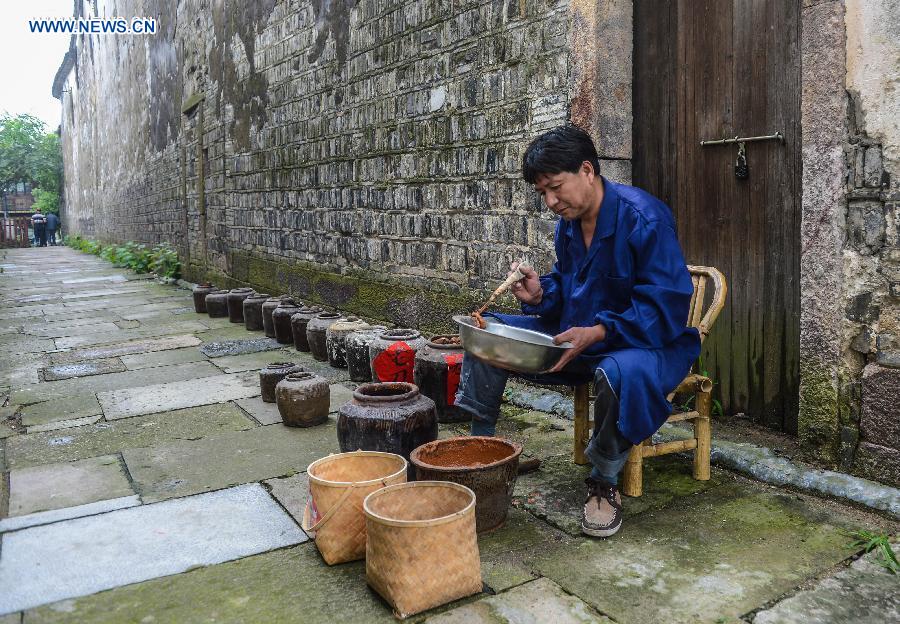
28 153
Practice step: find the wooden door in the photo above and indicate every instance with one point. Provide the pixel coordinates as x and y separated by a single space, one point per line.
707 69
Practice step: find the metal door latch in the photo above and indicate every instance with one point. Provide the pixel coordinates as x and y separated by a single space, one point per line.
741 169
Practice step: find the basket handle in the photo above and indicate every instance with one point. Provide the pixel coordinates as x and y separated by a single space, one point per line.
305 524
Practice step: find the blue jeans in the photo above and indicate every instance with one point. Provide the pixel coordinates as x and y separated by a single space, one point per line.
481 389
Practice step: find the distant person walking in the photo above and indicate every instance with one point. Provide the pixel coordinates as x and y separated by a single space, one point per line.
39 223
52 227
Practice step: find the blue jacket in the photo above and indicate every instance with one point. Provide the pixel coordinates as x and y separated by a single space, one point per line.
633 279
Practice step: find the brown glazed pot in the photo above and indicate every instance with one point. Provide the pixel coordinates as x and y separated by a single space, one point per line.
315 333
281 319
253 304
389 417
436 372
217 304
303 400
336 339
488 466
298 326
236 303
267 308
393 355
199 293
358 364
272 374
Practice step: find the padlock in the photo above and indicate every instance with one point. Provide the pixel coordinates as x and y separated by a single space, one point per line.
741 170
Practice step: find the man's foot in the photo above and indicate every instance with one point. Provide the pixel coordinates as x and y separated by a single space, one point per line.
602 509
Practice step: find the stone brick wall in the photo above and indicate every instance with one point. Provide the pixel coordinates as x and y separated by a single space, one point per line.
369 138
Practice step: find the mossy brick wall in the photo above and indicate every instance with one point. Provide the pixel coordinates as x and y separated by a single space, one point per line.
374 137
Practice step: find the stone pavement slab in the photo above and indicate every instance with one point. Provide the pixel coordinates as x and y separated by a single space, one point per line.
61 330
188 467
64 424
862 593
35 393
131 545
163 397
508 553
82 369
249 361
104 438
291 492
716 554
288 586
103 338
127 348
67 513
556 491
233 332
217 348
55 410
162 358
55 486
538 601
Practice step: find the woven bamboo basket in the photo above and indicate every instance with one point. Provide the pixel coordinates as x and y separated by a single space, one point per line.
338 484
421 550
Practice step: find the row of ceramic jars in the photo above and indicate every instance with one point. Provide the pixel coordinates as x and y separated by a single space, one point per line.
370 353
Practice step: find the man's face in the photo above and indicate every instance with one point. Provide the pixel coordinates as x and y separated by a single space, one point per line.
569 195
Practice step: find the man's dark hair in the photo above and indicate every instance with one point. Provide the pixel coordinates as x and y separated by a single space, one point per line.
562 149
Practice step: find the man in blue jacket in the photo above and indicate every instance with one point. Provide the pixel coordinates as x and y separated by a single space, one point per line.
619 292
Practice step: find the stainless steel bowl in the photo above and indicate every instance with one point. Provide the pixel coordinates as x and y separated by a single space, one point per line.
512 348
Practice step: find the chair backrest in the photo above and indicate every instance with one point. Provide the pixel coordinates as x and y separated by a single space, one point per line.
697 317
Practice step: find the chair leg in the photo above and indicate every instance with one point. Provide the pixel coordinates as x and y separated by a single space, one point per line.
703 435
633 475
582 427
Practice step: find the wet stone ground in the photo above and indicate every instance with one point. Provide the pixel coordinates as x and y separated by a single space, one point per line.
145 481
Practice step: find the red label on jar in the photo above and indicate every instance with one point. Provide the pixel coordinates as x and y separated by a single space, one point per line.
454 367
395 363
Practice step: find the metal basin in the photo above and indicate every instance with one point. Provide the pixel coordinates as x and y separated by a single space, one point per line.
512 348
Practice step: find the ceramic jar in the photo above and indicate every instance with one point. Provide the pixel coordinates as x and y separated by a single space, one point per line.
236 303
336 339
389 417
281 319
358 364
436 373
267 308
298 326
393 354
271 375
199 293
253 304
315 333
303 399
217 304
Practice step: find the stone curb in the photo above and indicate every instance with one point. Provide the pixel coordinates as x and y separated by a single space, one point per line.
757 462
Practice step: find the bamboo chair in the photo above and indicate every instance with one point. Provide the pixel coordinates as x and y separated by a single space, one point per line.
632 481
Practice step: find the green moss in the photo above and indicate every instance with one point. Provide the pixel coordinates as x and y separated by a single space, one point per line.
389 300
818 421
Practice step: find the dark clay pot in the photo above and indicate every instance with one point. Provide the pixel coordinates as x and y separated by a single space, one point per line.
199 293
281 319
303 400
253 304
336 339
267 308
436 372
236 303
488 466
272 374
358 363
298 326
389 417
315 333
393 355
217 304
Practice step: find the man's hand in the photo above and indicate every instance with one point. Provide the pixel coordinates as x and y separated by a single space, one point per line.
581 338
528 289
